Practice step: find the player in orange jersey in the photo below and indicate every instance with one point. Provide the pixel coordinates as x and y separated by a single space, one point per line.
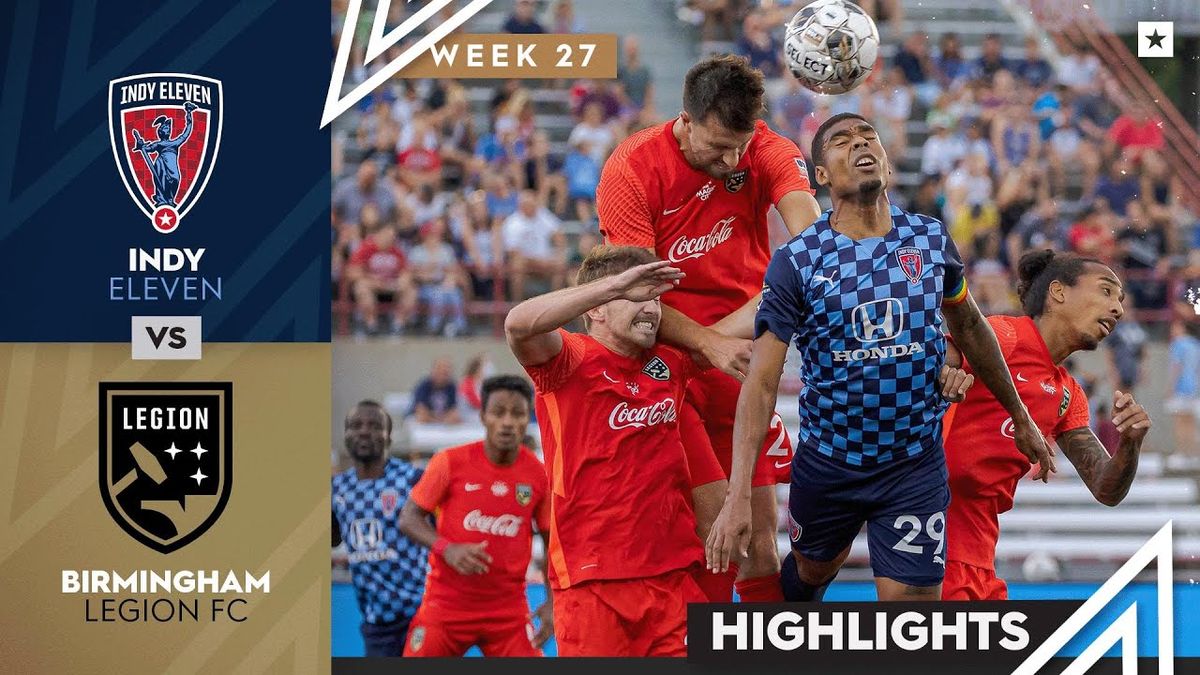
1070 304
623 547
486 497
696 191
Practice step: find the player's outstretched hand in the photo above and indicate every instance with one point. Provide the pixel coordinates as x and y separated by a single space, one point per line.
954 383
729 536
545 617
1033 445
468 558
1129 417
646 282
729 354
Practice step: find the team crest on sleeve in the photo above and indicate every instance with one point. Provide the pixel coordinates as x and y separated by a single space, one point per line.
165 131
911 262
657 369
388 500
801 166
736 180
524 494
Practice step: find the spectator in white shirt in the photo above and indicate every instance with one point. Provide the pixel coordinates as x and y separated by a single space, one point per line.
594 132
942 150
534 244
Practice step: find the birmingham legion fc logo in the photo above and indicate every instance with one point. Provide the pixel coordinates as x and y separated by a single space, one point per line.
166 458
165 130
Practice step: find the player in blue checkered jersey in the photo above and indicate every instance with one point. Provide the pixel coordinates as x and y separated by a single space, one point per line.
388 568
863 291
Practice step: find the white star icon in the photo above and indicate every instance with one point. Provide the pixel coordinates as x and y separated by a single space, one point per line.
172 451
165 219
198 476
198 450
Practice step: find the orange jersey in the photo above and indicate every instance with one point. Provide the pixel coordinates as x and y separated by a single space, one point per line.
715 231
620 495
474 500
982 459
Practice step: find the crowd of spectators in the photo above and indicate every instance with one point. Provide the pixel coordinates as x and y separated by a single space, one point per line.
441 206
437 205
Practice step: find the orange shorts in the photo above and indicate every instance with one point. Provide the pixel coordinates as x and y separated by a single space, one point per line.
626 617
706 428
434 633
968 582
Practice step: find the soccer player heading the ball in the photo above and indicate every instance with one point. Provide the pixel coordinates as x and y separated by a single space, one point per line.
860 292
696 191
623 549
1071 304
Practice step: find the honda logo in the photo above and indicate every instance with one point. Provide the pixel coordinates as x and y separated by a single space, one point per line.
878 320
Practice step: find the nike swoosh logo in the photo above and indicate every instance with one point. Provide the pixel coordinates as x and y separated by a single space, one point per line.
667 212
1021 378
605 373
780 465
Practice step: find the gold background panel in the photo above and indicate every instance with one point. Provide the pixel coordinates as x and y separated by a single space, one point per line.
52 517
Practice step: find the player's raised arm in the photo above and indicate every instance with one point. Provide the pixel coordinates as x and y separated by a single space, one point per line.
975 338
531 327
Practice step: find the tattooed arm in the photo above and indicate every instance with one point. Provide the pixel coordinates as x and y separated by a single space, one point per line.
1108 477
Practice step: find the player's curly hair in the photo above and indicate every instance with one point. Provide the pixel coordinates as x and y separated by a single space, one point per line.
513 383
1038 269
725 86
605 261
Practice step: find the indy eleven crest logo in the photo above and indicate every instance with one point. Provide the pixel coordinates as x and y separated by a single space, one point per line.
165 130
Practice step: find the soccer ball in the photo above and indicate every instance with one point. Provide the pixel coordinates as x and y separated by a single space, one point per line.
831 46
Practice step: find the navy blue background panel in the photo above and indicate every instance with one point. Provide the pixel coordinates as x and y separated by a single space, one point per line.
67 221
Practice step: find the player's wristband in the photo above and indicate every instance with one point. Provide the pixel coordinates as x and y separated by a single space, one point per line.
439 547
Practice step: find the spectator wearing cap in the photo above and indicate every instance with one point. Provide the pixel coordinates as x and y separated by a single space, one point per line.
439 281
522 21
534 245
378 273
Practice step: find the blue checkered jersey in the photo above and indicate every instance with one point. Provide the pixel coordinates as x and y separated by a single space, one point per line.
388 568
865 318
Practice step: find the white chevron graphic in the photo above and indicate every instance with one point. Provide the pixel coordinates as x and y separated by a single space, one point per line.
335 103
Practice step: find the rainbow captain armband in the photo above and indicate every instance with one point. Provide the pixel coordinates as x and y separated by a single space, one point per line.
958 294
